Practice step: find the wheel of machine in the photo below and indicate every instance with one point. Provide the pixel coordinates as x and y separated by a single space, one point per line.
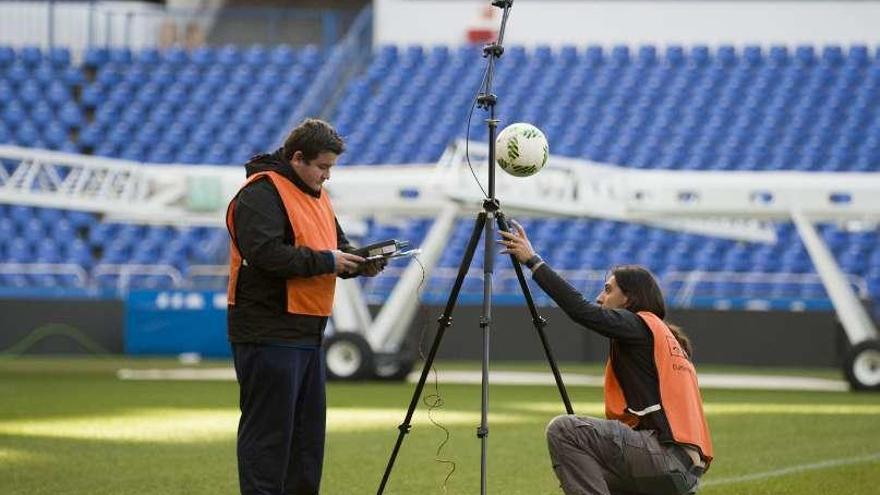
348 357
862 366
395 369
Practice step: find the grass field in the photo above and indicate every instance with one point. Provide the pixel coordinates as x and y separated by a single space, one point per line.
71 427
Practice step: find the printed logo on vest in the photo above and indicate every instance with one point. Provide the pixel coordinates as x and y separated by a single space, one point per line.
674 347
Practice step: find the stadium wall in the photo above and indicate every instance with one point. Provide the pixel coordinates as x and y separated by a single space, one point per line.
79 24
177 322
558 22
61 326
753 338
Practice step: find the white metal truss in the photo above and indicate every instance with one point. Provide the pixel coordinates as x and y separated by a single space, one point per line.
119 189
738 205
854 318
730 204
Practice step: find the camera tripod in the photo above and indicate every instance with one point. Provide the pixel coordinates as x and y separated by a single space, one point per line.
485 224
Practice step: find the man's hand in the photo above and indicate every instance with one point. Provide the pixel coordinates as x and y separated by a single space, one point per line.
516 242
347 263
373 268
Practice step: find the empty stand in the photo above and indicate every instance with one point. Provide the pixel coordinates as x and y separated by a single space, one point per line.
806 108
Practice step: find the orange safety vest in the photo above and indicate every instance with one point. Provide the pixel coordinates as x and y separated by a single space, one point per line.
680 397
314 226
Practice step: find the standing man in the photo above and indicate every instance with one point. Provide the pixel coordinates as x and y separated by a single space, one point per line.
656 440
287 250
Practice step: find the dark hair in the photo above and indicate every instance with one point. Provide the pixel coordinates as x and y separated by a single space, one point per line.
312 137
643 293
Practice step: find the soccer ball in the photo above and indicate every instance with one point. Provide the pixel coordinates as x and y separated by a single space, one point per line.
521 149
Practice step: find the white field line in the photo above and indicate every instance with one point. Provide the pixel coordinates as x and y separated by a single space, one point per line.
800 468
707 380
197 374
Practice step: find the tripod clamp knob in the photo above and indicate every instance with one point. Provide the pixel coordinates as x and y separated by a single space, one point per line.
445 320
493 49
486 101
540 322
492 205
482 432
404 428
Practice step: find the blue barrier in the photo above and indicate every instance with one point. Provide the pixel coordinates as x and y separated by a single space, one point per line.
174 322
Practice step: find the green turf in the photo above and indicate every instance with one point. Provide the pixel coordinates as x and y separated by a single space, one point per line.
70 427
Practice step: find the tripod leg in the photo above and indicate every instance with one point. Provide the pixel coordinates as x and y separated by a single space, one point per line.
538 321
445 321
485 326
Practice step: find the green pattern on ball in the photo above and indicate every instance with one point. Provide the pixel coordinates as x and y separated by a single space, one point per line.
523 170
513 148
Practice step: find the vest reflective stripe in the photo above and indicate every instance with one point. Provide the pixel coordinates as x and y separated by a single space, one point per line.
647 410
680 395
314 226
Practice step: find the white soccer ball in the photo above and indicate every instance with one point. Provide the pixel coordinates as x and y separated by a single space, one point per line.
521 149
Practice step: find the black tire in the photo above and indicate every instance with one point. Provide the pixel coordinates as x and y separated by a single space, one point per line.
395 369
862 366
348 357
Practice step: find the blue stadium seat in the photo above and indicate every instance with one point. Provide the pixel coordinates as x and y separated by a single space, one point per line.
805 55
779 55
95 57
19 251
55 136
147 57
28 135
30 55
202 56
71 116
17 74
8 229
59 57
7 56
229 55
175 56
30 94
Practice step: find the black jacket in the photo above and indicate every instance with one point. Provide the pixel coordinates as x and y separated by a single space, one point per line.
632 345
265 239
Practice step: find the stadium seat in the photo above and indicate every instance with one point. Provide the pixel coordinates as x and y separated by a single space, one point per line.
7 56
30 55
691 107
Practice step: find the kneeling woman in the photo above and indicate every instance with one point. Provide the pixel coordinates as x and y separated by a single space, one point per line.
656 439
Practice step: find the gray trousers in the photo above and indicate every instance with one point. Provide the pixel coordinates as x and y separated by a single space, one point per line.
602 457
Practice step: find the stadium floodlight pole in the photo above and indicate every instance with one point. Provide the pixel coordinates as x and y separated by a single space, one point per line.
491 208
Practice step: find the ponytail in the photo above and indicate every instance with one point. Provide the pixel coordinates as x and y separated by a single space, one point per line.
682 339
